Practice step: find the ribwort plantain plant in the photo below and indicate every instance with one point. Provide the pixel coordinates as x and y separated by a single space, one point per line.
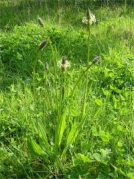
89 20
52 143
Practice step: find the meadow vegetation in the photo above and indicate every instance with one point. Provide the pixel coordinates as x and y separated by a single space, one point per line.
66 90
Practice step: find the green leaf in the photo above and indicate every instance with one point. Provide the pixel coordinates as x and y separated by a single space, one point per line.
97 157
130 175
72 134
84 158
36 149
98 102
60 129
42 134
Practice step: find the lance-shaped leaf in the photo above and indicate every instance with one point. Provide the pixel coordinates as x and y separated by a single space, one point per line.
60 129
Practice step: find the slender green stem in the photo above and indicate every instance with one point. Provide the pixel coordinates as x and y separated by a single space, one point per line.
125 5
80 78
34 73
88 42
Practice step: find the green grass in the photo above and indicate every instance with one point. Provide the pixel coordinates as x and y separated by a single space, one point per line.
76 123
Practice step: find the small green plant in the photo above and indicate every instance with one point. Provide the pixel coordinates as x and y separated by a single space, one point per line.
65 130
54 146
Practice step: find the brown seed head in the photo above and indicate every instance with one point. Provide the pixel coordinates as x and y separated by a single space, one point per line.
42 44
64 63
40 21
88 14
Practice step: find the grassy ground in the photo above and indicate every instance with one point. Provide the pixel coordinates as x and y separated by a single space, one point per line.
76 123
